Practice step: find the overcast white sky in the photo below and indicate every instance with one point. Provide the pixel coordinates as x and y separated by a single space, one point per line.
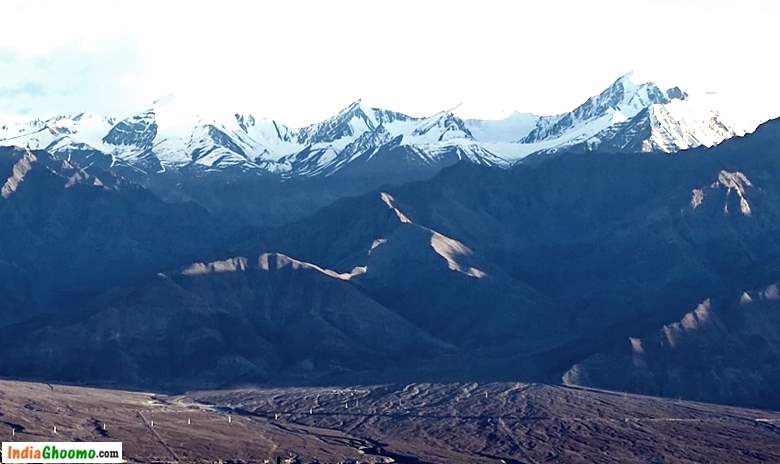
299 61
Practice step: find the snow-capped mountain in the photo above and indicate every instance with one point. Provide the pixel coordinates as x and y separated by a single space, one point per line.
171 135
619 102
671 127
353 121
632 118
57 132
360 134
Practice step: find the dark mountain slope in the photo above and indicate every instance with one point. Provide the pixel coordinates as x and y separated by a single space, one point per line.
436 281
611 245
614 225
517 273
262 319
727 350
66 232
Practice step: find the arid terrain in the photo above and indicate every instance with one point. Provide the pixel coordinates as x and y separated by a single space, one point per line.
364 232
417 423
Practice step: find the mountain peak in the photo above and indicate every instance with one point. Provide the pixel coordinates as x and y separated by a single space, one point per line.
353 107
629 94
626 95
630 83
625 80
351 121
621 101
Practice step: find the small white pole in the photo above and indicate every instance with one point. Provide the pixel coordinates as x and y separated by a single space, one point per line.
188 421
104 426
230 419
276 416
13 432
55 429
151 423
311 411
486 395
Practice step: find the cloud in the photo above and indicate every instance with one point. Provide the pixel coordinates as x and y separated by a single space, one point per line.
27 88
69 80
7 55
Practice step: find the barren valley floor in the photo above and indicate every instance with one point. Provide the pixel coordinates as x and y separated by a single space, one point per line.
417 423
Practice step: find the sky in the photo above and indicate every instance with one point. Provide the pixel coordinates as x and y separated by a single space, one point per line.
301 61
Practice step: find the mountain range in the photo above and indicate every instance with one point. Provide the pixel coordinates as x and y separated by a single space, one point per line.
178 152
159 252
626 117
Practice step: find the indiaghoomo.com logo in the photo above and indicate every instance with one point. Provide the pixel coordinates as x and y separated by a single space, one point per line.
62 452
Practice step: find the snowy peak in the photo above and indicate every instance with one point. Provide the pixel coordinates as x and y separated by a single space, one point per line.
627 97
372 136
441 127
138 130
328 159
681 126
631 117
619 102
264 128
677 125
270 139
82 129
368 141
174 134
350 122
